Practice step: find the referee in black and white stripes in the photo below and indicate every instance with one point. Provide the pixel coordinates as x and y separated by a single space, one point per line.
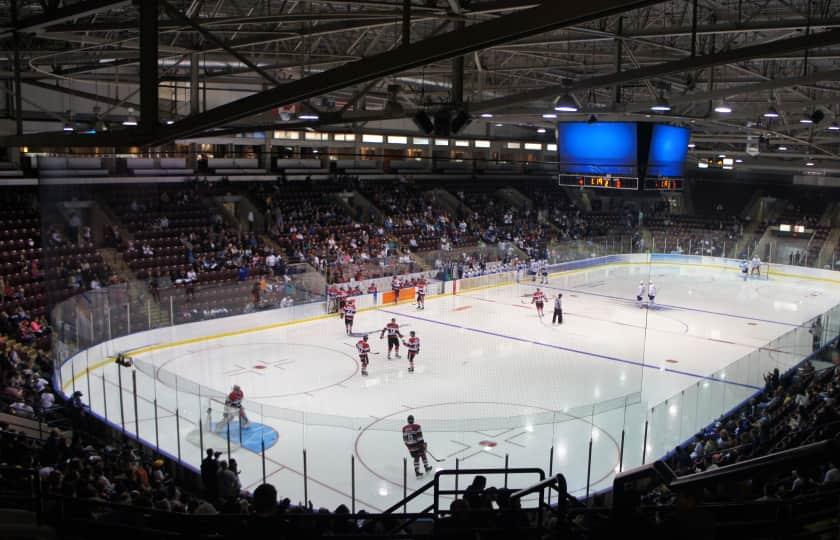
558 310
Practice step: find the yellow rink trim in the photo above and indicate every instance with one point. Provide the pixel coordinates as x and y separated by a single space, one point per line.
272 326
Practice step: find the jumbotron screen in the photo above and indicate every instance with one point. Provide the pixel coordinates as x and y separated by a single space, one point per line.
597 148
668 148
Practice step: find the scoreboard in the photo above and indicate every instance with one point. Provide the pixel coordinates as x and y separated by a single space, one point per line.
663 184
602 181
620 182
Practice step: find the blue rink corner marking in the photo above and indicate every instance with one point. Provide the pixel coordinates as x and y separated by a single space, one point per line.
253 436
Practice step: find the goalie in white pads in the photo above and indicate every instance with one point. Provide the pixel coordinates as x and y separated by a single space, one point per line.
755 266
234 409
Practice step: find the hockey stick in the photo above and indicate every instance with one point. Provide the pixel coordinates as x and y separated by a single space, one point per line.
431 455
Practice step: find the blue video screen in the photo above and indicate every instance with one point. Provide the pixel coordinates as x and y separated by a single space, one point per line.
597 148
668 148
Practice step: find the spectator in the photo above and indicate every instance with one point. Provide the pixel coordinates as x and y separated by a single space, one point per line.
832 475
210 474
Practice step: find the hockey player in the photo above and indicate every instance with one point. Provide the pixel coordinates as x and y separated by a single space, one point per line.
745 268
349 314
234 409
640 293
393 330
651 292
544 274
421 295
395 287
341 295
363 347
755 266
413 346
413 439
539 300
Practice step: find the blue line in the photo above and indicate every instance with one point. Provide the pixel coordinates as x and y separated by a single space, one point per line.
670 306
568 349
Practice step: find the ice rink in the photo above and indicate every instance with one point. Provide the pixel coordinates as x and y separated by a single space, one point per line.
493 381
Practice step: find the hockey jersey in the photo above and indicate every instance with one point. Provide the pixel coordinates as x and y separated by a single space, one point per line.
363 347
413 344
393 329
413 437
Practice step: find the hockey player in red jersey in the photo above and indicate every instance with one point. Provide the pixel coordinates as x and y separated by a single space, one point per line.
413 439
421 295
349 314
413 346
394 336
539 300
363 347
342 300
234 409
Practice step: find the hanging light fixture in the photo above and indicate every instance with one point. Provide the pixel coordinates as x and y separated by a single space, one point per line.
806 119
771 112
130 120
834 127
308 116
661 104
566 103
723 108
69 124
486 115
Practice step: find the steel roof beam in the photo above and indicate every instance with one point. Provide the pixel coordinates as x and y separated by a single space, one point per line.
822 39
62 14
545 17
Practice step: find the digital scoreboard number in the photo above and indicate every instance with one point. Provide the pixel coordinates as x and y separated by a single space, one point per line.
600 182
663 184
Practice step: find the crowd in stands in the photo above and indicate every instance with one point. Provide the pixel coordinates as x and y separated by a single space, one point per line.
172 238
794 409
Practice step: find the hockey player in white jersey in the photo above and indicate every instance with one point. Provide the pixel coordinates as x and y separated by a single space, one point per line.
745 269
651 293
640 293
755 266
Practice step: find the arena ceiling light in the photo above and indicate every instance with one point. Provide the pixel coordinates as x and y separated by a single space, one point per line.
131 120
783 148
486 115
809 163
566 103
541 130
308 116
661 104
806 120
723 108
549 116
834 127
771 112
691 145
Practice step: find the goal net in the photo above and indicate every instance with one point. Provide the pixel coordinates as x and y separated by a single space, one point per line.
763 271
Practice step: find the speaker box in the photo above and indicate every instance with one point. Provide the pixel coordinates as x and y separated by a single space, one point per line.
423 122
443 123
461 121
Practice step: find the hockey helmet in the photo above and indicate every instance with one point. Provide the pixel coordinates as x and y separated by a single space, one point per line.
410 418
